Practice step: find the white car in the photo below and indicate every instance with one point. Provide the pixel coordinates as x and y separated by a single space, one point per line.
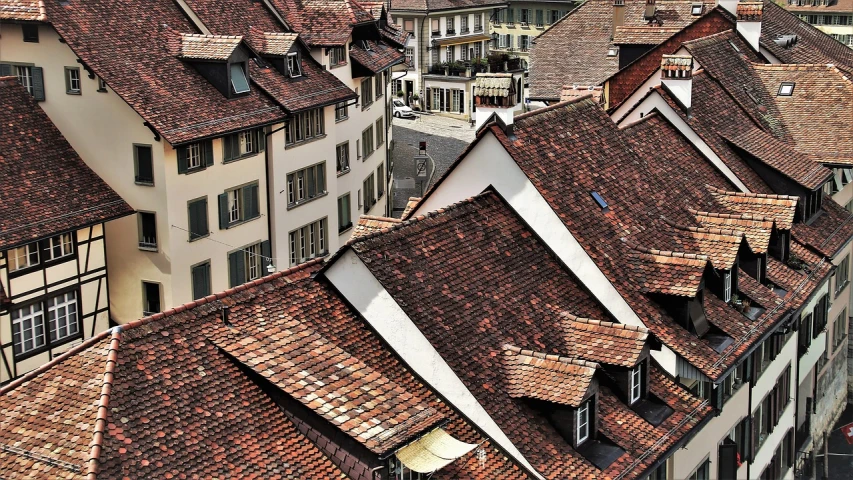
401 110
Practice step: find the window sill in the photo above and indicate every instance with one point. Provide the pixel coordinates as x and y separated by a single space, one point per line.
338 65
303 142
102 90
42 265
240 222
198 237
308 200
339 120
366 106
73 92
190 171
345 229
148 249
343 172
241 157
143 183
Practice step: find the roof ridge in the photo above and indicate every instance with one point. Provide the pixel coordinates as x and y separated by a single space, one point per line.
738 216
593 321
209 35
711 230
664 253
511 349
772 196
555 106
708 37
94 458
381 218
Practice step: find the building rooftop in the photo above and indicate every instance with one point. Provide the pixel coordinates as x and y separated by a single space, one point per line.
47 189
436 5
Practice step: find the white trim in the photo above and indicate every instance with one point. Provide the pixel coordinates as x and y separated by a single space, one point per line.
583 409
636 383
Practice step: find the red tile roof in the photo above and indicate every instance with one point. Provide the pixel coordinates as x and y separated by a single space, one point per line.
721 246
643 35
435 5
586 34
670 273
378 58
756 229
206 47
604 342
323 22
368 224
483 280
829 232
552 378
45 189
27 10
781 208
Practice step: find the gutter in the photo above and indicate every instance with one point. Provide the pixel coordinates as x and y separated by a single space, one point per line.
267 168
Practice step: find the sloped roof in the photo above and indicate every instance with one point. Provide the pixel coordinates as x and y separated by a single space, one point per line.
551 378
46 188
719 245
643 35
27 10
323 22
368 224
377 58
272 43
670 273
604 342
207 47
829 232
493 84
756 229
781 208
434 5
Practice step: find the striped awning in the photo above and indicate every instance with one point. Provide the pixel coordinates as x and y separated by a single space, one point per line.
433 452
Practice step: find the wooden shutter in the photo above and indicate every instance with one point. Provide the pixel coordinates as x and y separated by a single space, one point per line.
144 167
266 253
251 207
262 140
717 397
199 217
321 178
228 148
753 438
728 461
237 268
38 84
201 280
429 99
224 218
207 148
182 159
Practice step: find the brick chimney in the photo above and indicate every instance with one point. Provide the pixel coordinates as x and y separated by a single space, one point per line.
676 72
749 22
651 8
618 15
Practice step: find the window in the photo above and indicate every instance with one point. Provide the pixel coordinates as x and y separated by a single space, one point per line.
366 92
702 472
449 25
367 192
658 473
436 28
337 56
308 242
463 24
540 18
200 276
786 89
696 9
839 329
478 22
525 16
150 298
239 205
767 415
510 16
23 257
524 42
478 50
304 126
582 421
239 80
409 25
554 16
342 153
72 80
147 222
28 324
367 142
380 131
102 85
25 76
727 287
31 33
62 317
58 247
28 329
380 180
398 471
341 111
197 218
143 167
410 56
636 383
195 156
242 144
344 216
248 263
448 53
504 41
305 184
842 275
294 66
378 89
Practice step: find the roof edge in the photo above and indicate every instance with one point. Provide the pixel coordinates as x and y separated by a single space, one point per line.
93 463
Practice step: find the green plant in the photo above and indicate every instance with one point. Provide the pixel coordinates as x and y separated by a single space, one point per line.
399 94
415 97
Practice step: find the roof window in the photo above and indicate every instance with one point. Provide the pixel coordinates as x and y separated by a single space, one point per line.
294 67
696 9
786 89
239 82
599 200
612 51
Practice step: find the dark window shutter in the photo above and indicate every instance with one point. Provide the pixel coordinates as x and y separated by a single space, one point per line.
223 211
227 141
38 84
198 219
262 140
237 268
5 70
718 398
461 101
428 99
182 160
144 167
201 282
208 152
321 178
753 438
728 461
267 254
251 207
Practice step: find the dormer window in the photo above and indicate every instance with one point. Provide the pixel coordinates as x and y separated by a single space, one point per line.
758 264
239 82
636 383
727 287
294 67
582 418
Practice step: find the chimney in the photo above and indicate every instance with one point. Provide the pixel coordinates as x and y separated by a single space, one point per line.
676 73
650 9
618 15
749 22
729 5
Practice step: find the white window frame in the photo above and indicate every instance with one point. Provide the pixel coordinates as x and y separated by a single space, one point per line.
478 22
636 383
38 339
294 69
63 242
254 262
308 242
62 314
410 57
25 76
341 111
342 158
234 205
337 56
246 141
24 253
73 79
194 159
727 287
582 422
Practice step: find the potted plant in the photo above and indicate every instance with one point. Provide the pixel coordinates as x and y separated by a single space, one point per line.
400 94
746 303
737 303
796 262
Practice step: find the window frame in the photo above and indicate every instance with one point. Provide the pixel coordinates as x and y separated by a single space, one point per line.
341 112
304 127
142 244
337 57
294 65
44 314
841 282
367 92
727 286
367 147
137 179
342 168
145 298
28 254
635 377
380 181
583 409
192 235
30 33
343 227
317 233
299 182
209 285
69 81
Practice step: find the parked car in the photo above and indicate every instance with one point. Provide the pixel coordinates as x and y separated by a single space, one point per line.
401 110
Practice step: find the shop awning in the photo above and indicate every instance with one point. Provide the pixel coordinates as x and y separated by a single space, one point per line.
463 39
432 452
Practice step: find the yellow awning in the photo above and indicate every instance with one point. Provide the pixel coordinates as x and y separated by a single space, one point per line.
463 39
432 452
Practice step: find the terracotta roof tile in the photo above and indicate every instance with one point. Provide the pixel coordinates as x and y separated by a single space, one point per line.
719 245
27 10
368 224
574 92
670 273
272 43
756 229
781 208
829 232
604 342
434 5
323 22
813 46
644 35
541 376
45 189
207 47
377 58
410 205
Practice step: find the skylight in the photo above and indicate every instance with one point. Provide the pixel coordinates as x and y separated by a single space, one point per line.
238 79
696 9
786 89
599 200
612 51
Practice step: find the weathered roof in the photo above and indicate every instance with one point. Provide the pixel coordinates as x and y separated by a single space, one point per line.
719 245
377 57
493 84
781 208
28 10
434 5
573 92
552 378
604 342
207 47
368 224
46 188
669 273
272 43
643 35
323 22
756 229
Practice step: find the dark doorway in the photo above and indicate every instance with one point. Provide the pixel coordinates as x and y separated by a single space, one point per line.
410 87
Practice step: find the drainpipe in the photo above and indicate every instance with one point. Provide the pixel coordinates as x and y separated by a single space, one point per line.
269 166
751 430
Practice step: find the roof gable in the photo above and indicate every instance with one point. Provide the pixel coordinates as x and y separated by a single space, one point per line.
551 378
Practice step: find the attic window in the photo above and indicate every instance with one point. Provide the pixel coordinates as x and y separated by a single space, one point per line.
238 79
365 45
612 51
786 89
582 422
696 9
599 200
294 68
